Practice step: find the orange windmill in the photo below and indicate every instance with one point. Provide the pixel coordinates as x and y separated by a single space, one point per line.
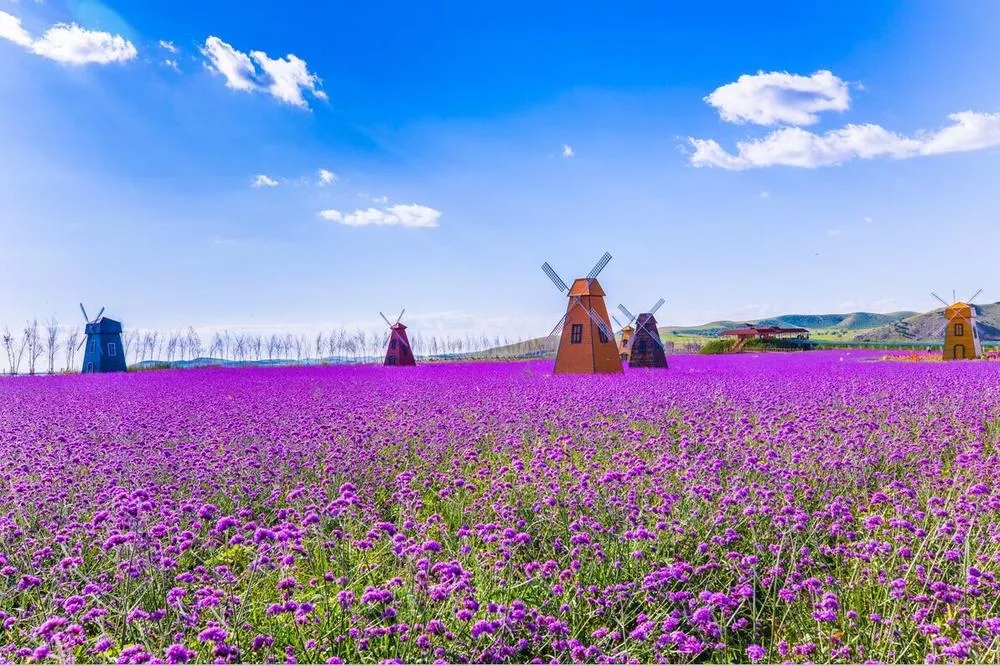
961 337
586 345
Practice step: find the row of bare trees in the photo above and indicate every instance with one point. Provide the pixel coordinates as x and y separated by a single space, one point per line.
36 347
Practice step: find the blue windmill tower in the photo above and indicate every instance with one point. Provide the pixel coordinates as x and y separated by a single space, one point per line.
103 337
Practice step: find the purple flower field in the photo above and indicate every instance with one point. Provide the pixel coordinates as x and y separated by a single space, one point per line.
785 507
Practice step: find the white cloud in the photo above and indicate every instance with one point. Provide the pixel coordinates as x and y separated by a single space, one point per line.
172 64
868 220
567 150
262 180
780 98
282 78
169 46
792 146
326 177
69 43
405 215
834 232
11 30
764 194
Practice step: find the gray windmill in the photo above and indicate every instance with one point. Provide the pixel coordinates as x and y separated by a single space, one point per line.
586 343
396 343
103 337
645 348
961 334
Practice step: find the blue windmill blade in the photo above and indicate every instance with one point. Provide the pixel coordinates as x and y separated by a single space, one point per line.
599 266
559 326
556 280
656 307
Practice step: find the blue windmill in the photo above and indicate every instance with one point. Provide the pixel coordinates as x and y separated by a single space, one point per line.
103 337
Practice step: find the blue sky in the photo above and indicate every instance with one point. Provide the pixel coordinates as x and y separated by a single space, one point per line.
164 159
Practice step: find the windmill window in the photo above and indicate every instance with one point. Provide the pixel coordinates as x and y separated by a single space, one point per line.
112 351
959 329
641 347
392 344
601 335
576 334
93 346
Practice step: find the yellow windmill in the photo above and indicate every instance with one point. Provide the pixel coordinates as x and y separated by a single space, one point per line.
961 336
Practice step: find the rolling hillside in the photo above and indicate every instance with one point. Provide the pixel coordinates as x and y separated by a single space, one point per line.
927 327
853 322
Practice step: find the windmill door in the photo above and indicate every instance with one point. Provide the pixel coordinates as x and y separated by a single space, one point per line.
959 351
90 367
391 360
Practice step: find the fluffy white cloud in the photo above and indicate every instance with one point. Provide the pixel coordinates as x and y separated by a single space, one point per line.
792 146
172 64
567 150
69 43
405 215
780 98
262 180
326 176
283 78
169 46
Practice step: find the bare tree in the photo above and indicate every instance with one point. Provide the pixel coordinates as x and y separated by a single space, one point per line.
193 343
273 346
215 349
71 347
319 346
171 347
33 344
239 346
51 342
299 344
15 349
130 341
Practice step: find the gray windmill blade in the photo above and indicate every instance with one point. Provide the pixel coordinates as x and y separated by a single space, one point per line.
945 325
82 343
556 280
385 319
601 325
973 297
599 266
621 328
656 307
654 334
625 311
400 317
943 302
99 313
84 311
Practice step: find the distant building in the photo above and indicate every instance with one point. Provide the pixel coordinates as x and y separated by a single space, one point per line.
748 332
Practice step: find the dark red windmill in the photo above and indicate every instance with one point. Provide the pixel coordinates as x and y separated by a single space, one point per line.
398 350
645 347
